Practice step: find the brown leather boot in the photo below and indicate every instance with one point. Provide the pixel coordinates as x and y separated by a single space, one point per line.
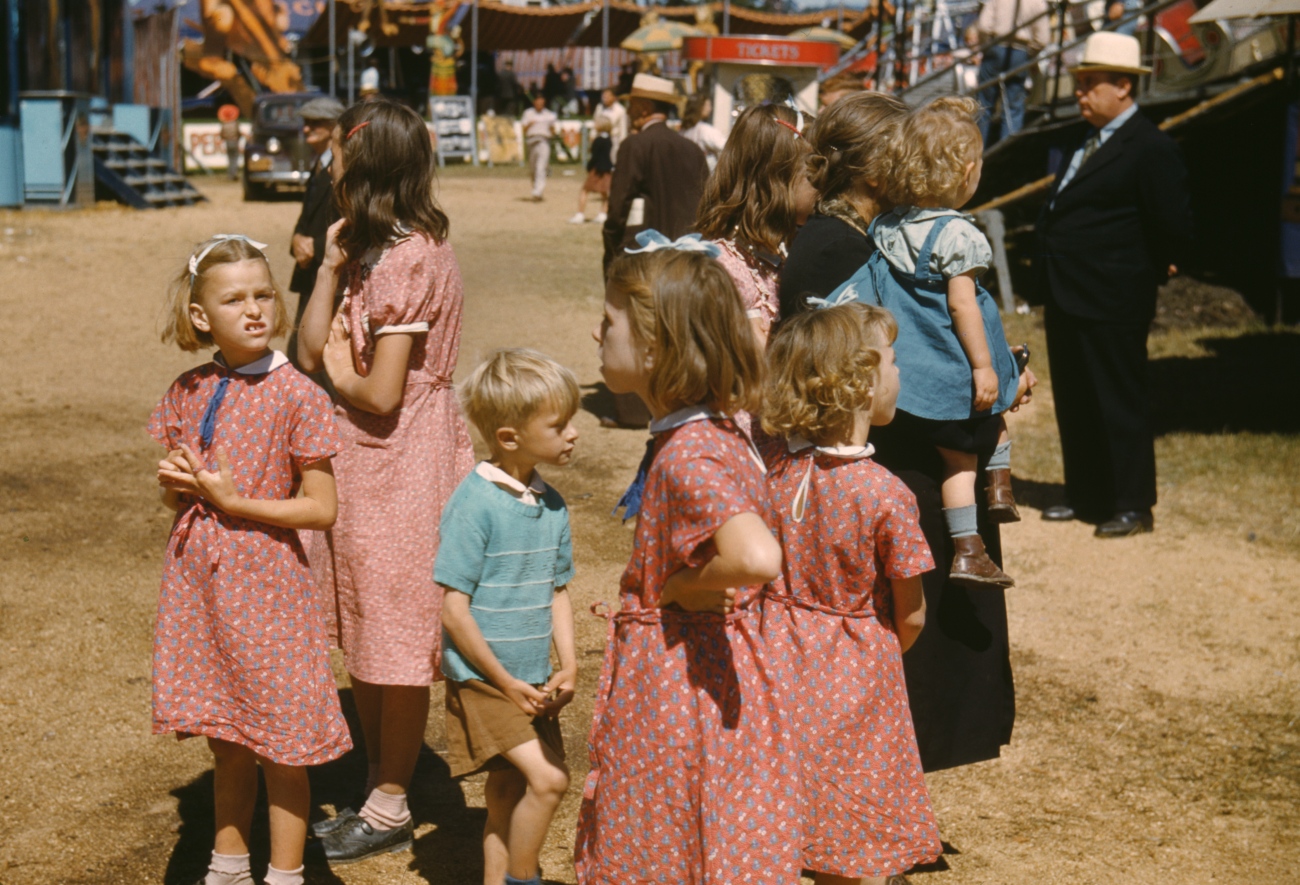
971 566
1002 504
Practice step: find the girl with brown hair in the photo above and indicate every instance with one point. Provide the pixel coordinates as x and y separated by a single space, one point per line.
848 165
754 202
390 353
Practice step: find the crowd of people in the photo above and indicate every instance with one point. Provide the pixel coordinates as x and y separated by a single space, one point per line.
825 383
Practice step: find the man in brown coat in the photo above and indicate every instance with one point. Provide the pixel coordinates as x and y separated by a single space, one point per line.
659 177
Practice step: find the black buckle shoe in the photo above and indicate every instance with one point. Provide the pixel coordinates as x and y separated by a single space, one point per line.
355 840
1059 513
323 828
1129 522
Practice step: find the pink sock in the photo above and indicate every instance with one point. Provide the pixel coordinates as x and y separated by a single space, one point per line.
281 877
229 869
385 811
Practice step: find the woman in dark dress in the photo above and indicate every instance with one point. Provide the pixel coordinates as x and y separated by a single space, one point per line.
959 672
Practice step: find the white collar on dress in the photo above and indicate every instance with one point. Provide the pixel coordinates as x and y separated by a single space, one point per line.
682 416
264 366
797 444
504 481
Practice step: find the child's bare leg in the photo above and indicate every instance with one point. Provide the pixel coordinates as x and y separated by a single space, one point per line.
548 779
832 879
234 789
288 794
369 699
1001 500
503 791
582 201
958 488
405 715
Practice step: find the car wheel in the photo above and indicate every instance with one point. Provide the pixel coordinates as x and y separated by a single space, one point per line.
253 192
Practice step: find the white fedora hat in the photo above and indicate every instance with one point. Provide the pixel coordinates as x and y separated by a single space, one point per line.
1108 51
653 88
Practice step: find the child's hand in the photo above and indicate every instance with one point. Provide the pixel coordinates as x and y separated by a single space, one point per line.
986 388
334 254
561 685
174 472
338 351
721 602
525 697
195 479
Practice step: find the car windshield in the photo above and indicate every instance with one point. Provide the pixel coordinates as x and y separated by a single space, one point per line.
281 114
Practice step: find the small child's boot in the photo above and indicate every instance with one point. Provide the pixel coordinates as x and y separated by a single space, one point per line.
971 566
1002 503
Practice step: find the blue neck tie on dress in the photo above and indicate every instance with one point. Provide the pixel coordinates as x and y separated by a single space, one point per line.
631 499
209 425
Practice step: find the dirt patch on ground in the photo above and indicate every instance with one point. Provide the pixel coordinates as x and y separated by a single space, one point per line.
1157 738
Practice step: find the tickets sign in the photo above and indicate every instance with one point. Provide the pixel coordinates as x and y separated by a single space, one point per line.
761 51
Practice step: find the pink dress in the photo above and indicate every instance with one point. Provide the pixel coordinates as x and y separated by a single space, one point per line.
756 280
694 776
867 810
240 652
396 471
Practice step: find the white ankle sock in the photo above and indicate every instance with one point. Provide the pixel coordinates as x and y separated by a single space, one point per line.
229 869
283 877
385 811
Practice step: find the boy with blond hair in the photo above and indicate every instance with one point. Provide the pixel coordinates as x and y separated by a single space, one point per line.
504 560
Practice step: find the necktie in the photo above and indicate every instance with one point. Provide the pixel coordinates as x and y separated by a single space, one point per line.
209 424
631 499
1089 148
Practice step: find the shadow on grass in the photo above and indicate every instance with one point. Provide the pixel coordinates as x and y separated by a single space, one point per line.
1247 385
450 853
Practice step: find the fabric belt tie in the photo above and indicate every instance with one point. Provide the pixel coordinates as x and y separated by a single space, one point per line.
209 425
795 602
187 521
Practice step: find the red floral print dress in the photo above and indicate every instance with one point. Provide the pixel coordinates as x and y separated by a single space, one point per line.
847 528
240 652
694 775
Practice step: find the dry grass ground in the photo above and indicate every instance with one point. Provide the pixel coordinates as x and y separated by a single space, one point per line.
1158 736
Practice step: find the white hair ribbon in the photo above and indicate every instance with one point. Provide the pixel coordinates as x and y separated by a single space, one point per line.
847 296
653 241
197 258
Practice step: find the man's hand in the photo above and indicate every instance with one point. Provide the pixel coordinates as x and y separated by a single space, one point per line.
985 381
303 248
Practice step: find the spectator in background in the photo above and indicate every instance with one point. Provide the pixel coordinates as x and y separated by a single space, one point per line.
842 84
612 111
1021 29
697 127
552 87
1115 12
625 75
568 93
508 90
539 127
228 114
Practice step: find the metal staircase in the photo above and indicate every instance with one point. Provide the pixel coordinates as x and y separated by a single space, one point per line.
126 170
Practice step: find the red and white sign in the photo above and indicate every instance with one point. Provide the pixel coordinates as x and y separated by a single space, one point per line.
761 51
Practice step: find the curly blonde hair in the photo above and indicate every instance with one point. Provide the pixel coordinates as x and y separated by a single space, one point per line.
932 149
823 366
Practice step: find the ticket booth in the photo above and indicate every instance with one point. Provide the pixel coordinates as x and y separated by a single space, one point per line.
743 71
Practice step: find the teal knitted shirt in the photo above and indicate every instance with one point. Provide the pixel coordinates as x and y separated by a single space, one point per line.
508 557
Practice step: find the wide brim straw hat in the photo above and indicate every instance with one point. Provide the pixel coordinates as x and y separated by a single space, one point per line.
1108 51
653 88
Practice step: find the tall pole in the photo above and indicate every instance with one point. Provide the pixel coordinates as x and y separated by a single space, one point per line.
334 49
726 17
604 47
473 64
352 80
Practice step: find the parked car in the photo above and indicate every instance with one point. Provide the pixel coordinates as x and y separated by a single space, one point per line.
275 156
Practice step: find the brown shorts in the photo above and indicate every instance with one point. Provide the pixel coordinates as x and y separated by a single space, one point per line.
598 182
482 723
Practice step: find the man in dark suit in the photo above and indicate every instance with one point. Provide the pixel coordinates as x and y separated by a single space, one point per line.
663 170
318 210
1115 226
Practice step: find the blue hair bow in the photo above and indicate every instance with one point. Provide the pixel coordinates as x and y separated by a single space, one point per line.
652 241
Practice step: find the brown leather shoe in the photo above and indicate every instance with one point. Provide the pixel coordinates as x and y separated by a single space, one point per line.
1002 503
971 566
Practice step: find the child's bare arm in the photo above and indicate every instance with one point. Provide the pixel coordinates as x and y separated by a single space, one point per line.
747 555
563 680
969 326
464 632
909 609
379 392
315 328
316 508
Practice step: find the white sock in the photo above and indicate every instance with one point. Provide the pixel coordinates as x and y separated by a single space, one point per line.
229 869
282 877
386 811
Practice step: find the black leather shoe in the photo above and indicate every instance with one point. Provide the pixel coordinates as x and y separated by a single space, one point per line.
1130 522
356 840
323 828
1059 513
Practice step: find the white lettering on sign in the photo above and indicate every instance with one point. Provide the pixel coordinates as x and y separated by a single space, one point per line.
763 51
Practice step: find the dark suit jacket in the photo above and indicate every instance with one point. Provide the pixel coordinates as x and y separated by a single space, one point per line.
1106 245
318 213
668 172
